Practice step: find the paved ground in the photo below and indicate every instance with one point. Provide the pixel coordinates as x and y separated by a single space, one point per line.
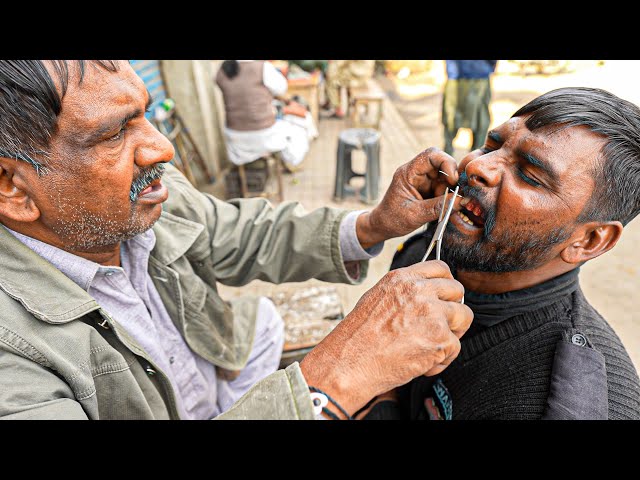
411 123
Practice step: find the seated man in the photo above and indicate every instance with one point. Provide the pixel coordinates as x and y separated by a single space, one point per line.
252 128
550 189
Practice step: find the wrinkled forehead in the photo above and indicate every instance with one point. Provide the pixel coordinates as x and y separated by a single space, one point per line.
96 93
564 140
573 150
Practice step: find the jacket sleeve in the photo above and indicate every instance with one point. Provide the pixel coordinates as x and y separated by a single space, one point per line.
29 391
248 239
283 395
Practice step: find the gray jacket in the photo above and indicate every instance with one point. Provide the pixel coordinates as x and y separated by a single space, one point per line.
63 357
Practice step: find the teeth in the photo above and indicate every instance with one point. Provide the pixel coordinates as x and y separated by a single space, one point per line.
474 208
465 218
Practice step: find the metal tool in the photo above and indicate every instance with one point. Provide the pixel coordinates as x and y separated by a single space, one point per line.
436 240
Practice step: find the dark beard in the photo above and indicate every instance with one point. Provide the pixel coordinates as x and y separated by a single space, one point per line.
509 251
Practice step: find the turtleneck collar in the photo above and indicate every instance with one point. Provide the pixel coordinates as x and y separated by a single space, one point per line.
492 309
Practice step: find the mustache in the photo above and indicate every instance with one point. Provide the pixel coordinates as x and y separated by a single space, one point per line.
144 178
480 197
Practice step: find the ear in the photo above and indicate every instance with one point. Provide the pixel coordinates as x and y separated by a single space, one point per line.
595 239
15 202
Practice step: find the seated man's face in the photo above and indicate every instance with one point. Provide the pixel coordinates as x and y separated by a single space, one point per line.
527 190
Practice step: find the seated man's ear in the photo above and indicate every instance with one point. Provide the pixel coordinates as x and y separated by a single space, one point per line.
15 201
593 239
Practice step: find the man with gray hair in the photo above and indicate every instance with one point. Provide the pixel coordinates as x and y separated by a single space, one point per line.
109 260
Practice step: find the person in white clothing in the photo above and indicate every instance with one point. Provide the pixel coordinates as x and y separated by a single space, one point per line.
252 131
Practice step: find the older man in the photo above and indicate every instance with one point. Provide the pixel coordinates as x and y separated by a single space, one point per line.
550 189
108 271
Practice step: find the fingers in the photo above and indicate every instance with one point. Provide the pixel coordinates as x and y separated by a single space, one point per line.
459 317
450 292
453 353
431 207
430 269
426 166
446 289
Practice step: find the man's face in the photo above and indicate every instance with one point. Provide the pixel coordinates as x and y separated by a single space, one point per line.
527 190
102 184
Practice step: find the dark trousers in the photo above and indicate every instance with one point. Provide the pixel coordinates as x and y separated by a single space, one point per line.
465 104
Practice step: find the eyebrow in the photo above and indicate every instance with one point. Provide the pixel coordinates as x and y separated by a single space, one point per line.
542 165
495 136
529 158
97 135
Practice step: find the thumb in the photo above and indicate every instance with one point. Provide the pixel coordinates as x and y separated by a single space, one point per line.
431 207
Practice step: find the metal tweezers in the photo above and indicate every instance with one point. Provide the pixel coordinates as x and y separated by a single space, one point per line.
442 224
436 240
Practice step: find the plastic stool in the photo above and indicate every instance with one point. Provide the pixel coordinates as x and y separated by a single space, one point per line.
368 140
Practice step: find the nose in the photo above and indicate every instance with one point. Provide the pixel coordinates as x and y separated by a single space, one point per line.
484 171
155 148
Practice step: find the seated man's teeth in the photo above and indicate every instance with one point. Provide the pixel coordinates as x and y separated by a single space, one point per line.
465 218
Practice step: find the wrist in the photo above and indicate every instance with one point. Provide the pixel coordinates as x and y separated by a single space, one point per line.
327 406
366 233
333 385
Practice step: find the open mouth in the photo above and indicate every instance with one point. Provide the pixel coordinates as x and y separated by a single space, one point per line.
472 214
152 187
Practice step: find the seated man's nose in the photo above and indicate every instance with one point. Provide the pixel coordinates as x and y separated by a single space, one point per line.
482 175
477 181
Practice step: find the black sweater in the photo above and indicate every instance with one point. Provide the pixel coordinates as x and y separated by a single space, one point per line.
540 352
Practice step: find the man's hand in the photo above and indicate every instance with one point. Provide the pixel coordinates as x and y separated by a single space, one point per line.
409 202
407 325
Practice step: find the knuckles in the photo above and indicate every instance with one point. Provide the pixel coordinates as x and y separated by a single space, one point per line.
427 152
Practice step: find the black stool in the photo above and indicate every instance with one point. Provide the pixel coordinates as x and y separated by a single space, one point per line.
368 140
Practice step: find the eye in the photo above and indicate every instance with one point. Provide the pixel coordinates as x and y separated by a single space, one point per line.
527 179
118 136
488 149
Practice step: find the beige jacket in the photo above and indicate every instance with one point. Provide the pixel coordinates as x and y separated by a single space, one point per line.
63 357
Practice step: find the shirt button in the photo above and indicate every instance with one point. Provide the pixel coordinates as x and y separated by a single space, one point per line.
108 274
579 339
172 359
150 371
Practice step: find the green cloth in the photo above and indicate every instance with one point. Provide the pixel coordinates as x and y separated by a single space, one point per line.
311 65
465 104
62 356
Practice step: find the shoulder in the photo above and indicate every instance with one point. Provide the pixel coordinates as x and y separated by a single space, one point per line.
184 200
622 377
410 251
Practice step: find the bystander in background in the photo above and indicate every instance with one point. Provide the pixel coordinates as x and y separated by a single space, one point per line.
466 100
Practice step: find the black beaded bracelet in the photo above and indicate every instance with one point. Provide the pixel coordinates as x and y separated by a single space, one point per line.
326 410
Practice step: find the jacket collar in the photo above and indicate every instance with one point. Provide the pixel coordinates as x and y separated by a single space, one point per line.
51 296
174 237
